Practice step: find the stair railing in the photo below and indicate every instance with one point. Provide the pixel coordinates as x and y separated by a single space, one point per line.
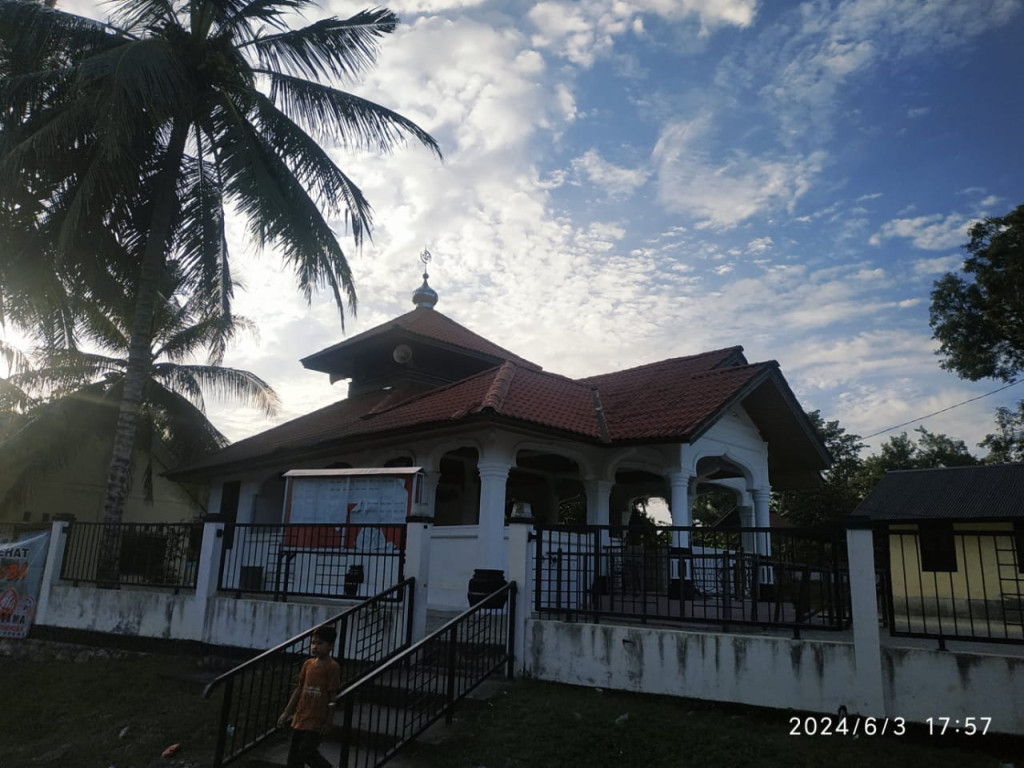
256 692
390 706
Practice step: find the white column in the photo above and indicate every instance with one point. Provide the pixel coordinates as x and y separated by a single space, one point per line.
417 565
206 581
51 571
431 477
761 496
521 573
491 527
680 505
867 649
598 500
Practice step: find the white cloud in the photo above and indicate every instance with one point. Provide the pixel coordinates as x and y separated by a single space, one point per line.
759 245
930 233
582 31
937 266
614 180
723 193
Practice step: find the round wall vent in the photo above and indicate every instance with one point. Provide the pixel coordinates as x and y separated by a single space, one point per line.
402 354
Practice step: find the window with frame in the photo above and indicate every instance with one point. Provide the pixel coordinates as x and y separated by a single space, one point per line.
938 547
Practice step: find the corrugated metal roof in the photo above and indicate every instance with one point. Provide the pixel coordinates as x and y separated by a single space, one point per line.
993 491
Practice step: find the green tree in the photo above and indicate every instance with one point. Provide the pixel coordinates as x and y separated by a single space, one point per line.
150 124
839 492
978 320
1006 444
75 395
902 452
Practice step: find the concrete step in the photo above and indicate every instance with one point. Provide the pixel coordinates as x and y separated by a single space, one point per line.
275 753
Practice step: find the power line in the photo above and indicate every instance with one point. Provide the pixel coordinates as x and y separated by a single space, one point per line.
950 408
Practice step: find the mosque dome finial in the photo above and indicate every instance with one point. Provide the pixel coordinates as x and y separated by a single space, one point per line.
425 296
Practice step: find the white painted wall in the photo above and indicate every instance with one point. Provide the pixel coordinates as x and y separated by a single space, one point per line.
745 669
920 683
258 624
802 675
453 557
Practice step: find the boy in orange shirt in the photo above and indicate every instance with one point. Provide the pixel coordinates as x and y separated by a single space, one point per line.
319 682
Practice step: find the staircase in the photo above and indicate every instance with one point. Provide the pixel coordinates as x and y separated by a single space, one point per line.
396 700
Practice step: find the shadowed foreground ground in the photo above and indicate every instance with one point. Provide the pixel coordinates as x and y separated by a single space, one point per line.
93 710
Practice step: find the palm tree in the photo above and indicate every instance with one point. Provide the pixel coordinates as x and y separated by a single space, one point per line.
77 393
152 122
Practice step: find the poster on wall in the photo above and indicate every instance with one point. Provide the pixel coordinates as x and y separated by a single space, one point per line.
21 576
347 506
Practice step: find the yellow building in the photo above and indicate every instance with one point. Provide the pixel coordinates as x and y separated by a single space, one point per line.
76 491
952 539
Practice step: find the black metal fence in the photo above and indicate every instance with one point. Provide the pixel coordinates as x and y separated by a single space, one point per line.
312 560
782 577
145 554
256 692
392 705
948 583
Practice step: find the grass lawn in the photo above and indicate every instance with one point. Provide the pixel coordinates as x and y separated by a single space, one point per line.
545 725
125 712
105 712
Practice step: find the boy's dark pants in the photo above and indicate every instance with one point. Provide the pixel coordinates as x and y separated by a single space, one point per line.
303 750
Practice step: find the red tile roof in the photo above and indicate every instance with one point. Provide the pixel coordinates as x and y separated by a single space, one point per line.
670 400
522 394
677 403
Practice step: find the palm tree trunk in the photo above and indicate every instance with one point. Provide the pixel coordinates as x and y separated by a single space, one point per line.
140 351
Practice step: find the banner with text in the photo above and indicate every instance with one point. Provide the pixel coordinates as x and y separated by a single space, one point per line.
21 576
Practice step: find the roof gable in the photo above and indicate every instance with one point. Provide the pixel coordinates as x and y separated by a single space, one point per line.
421 324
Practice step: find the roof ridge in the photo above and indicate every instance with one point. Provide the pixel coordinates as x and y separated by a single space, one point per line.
495 396
734 369
736 348
436 390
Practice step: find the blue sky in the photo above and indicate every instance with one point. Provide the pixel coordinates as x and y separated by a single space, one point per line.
630 180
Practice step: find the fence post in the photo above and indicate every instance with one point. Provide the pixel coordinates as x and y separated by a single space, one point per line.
867 649
51 571
519 571
207 577
417 565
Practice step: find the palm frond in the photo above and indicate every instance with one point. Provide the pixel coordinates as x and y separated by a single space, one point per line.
279 210
312 167
139 17
328 48
225 383
248 19
349 120
201 246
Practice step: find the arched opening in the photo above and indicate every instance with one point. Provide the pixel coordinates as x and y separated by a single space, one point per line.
550 483
457 498
631 495
268 506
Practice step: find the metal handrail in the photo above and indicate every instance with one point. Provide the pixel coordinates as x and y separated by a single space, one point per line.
440 646
278 664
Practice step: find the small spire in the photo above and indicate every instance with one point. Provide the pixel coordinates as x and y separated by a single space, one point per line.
425 296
